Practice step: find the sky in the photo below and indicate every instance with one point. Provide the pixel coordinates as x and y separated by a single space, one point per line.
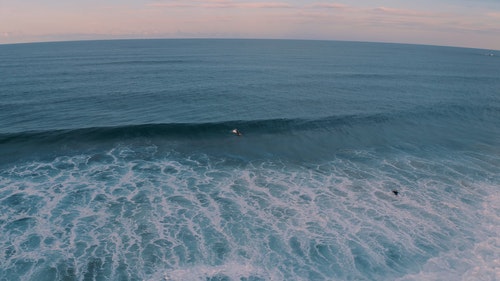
464 23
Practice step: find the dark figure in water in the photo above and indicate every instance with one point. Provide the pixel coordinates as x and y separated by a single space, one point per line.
236 132
395 192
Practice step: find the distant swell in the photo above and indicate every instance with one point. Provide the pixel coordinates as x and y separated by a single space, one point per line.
146 62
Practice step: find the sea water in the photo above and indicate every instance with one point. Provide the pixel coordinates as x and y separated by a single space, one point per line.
117 161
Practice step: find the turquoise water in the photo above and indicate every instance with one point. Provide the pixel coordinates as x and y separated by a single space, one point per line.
117 161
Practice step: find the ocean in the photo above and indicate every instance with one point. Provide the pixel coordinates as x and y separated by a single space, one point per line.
357 161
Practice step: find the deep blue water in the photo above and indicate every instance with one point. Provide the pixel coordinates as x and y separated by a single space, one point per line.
117 161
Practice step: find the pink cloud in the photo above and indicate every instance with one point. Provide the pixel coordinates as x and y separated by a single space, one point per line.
400 12
170 5
261 5
495 15
220 4
328 6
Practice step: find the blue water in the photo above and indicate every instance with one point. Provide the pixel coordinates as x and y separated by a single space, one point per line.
117 161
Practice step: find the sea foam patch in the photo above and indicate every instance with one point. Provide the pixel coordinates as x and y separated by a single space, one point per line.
133 213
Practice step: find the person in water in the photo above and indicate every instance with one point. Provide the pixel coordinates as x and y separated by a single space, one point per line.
236 132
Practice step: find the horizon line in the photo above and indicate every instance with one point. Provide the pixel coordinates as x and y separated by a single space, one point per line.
237 38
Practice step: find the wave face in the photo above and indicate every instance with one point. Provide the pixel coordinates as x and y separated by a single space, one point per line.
117 161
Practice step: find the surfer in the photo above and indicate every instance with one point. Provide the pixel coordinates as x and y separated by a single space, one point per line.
236 132
395 192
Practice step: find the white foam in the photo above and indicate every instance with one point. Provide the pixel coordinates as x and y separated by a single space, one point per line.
129 211
477 260
232 270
